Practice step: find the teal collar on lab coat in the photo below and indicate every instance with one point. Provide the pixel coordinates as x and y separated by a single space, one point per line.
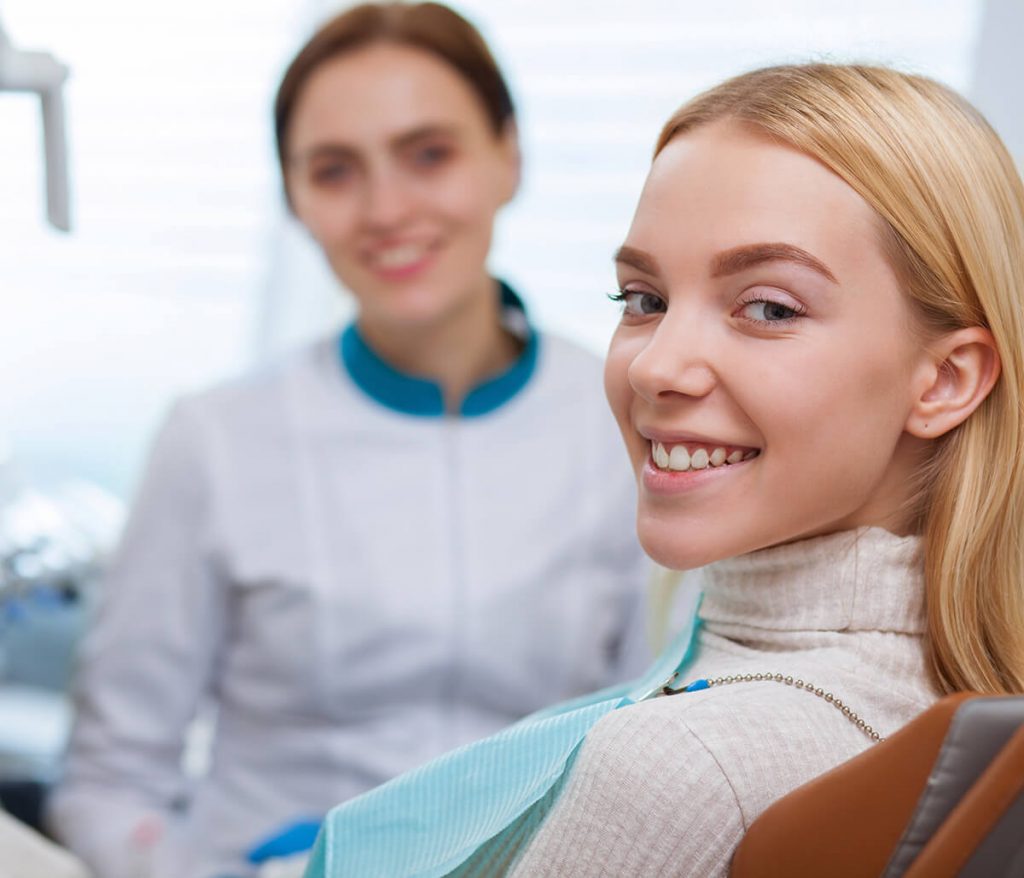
413 395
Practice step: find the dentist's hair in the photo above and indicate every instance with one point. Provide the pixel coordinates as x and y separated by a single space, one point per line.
430 27
951 204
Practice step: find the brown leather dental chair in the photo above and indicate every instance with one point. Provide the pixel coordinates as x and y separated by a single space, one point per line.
942 797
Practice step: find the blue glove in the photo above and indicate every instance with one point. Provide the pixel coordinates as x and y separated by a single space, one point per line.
293 839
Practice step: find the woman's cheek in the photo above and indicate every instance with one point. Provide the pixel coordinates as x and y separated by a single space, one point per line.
619 392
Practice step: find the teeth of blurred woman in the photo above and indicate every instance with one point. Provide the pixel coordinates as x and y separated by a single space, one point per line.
399 257
699 458
660 456
750 454
717 457
735 457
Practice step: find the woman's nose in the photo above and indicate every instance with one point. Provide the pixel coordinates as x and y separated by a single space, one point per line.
387 201
674 363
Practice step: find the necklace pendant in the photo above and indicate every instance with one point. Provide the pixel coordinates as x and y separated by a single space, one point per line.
695 686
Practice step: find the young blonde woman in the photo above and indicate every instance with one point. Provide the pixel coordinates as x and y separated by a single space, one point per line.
818 376
402 537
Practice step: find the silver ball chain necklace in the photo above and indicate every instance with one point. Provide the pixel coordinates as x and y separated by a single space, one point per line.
710 682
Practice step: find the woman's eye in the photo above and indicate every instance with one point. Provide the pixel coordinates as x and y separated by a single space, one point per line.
767 311
328 174
431 156
639 303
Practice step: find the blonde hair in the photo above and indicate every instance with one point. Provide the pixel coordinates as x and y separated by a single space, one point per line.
952 209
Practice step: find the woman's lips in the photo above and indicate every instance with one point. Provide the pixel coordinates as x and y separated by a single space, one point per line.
673 468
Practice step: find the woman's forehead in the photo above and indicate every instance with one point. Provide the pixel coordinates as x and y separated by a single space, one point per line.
723 186
384 91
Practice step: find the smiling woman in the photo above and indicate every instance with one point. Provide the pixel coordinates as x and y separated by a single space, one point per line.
817 373
742 333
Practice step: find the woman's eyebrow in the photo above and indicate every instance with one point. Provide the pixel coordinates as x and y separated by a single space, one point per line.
326 150
637 259
741 258
422 132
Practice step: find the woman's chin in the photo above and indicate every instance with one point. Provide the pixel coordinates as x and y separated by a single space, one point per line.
668 550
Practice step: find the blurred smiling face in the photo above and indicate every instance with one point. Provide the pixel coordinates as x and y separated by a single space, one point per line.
396 171
766 362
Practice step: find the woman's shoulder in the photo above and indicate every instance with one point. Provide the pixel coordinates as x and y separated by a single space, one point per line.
260 392
309 361
644 796
669 786
758 740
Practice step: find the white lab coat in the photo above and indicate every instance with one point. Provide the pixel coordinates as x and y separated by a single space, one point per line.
357 591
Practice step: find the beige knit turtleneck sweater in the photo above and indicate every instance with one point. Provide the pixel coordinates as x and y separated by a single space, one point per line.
668 787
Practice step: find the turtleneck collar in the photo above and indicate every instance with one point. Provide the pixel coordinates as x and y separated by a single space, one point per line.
415 395
862 580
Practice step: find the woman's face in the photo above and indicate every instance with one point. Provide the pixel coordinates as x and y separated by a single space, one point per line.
396 171
765 333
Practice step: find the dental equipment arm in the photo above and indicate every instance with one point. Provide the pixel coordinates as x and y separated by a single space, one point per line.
42 74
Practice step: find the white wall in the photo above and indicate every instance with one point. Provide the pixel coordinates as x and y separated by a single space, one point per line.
997 81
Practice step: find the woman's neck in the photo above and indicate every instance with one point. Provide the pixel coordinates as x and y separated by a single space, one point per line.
863 579
458 351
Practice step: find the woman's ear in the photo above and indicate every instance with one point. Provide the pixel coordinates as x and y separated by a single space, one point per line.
962 368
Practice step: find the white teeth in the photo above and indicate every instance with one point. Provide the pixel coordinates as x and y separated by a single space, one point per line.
399 257
679 459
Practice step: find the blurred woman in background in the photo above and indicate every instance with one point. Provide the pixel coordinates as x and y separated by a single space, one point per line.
391 543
